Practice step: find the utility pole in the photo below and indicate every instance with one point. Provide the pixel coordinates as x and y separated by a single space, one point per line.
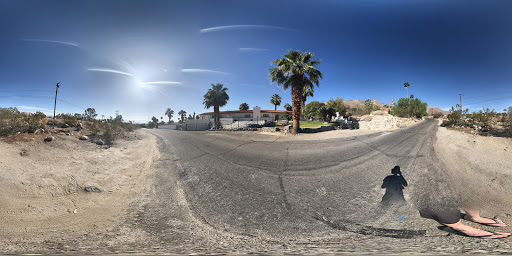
55 105
460 98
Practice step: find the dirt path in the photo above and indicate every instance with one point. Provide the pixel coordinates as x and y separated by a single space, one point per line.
42 193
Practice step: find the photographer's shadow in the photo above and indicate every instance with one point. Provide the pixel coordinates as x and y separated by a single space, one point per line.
394 185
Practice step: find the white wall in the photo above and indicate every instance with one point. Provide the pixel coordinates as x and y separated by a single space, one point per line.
167 126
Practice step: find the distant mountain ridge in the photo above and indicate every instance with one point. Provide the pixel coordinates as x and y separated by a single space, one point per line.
349 104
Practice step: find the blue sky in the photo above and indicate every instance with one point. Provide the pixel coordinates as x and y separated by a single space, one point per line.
141 57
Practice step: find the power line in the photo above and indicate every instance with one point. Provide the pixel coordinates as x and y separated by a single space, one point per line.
486 95
43 97
495 99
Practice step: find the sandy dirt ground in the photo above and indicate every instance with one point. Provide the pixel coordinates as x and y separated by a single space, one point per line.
44 208
480 169
42 194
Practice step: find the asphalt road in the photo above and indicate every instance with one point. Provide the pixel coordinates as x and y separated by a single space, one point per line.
284 190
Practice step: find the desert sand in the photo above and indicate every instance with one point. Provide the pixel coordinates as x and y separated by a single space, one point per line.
480 168
42 189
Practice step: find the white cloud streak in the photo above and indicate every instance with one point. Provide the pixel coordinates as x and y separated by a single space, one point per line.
195 70
35 108
50 41
252 49
110 71
231 27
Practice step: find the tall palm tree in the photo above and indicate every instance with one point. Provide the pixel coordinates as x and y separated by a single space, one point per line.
292 71
183 115
275 100
308 92
216 97
406 85
169 112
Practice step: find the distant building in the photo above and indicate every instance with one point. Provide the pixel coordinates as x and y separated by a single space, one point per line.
256 114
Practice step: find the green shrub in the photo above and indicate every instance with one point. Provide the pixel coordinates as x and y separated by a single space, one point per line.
455 118
326 113
410 108
368 106
483 117
337 105
109 135
69 119
311 109
438 115
12 121
508 122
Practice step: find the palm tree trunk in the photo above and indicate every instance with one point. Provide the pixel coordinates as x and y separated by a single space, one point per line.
275 107
216 114
297 98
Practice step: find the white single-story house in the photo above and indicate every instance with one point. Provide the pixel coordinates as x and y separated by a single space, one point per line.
256 114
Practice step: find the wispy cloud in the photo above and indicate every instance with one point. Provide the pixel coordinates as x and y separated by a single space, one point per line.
50 41
230 27
160 82
252 49
110 71
34 108
195 70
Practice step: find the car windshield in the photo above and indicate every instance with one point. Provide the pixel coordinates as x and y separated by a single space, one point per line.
255 127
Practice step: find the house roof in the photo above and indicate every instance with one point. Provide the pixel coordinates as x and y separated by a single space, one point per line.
246 111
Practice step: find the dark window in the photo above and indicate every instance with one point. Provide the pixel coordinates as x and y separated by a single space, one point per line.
266 115
247 115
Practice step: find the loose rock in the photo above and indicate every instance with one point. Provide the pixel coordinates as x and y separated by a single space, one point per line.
50 138
92 189
100 142
84 138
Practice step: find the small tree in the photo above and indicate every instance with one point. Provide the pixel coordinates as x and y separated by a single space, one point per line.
337 105
368 105
155 121
312 109
326 113
90 114
244 106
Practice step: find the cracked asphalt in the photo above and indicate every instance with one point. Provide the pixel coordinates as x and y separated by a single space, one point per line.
279 194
